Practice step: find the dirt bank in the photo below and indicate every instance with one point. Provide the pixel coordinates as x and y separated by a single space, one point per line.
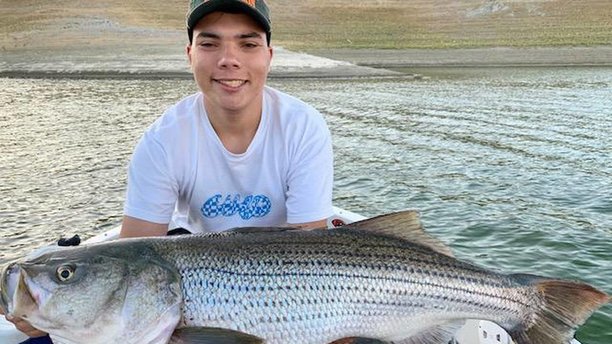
476 57
110 59
74 39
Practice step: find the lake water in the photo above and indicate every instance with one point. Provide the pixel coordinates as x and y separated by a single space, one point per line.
511 167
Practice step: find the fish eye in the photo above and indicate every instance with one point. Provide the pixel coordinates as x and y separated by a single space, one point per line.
65 272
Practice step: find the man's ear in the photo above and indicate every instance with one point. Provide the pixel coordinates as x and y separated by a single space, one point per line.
271 56
188 52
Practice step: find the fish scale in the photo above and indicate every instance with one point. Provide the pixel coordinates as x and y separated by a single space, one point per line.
273 281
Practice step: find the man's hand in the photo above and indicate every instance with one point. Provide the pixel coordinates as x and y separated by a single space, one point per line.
24 326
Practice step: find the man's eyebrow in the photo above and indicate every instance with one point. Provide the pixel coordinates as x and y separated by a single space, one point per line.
250 35
204 34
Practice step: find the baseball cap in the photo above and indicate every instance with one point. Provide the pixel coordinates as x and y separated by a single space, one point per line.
257 9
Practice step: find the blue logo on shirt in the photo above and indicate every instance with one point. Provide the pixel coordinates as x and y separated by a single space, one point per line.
251 206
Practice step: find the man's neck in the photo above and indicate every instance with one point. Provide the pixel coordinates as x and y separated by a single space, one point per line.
236 130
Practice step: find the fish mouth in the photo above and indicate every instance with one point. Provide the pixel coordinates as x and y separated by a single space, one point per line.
8 285
14 291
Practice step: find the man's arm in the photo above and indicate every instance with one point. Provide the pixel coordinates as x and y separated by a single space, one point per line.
133 227
310 225
310 178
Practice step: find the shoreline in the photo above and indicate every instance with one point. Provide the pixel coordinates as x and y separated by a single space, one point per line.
165 62
118 75
590 56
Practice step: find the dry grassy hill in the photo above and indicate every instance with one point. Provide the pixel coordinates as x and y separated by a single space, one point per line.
445 23
316 24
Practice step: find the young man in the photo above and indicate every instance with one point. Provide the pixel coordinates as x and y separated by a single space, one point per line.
237 153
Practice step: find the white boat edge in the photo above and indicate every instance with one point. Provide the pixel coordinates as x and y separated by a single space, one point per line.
473 332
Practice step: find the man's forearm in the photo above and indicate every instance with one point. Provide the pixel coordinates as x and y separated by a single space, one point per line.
133 227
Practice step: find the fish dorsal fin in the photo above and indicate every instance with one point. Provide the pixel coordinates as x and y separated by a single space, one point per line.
405 225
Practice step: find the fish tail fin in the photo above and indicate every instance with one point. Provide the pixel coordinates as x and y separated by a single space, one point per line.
565 306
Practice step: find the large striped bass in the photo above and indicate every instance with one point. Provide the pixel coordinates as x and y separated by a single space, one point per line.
382 278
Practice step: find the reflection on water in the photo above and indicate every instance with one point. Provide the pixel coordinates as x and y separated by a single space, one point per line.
512 167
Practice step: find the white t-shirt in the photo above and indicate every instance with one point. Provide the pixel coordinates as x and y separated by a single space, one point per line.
181 167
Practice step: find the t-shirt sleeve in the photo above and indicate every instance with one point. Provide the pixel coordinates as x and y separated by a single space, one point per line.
151 190
310 179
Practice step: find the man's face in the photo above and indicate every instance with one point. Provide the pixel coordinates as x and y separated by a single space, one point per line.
230 60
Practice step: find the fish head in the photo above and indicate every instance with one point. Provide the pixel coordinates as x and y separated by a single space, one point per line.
100 292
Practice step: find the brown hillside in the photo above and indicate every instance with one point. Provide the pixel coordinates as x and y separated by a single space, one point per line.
445 23
315 24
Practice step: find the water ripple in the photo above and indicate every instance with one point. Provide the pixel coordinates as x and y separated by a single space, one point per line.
498 162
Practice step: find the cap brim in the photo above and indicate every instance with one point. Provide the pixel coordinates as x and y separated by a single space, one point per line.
237 6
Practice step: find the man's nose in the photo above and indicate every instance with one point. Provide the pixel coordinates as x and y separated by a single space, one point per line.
229 57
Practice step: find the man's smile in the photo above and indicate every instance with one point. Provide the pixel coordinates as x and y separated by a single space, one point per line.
234 83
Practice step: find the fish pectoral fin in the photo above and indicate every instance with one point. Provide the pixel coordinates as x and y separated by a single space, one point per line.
440 334
405 225
212 335
358 340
